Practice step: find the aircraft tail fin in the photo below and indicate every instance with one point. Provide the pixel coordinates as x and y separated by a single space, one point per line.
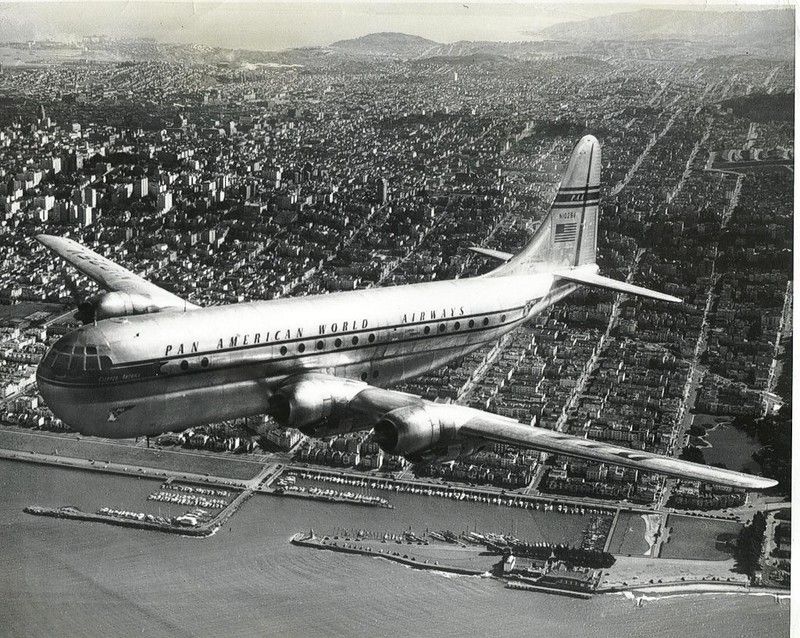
567 237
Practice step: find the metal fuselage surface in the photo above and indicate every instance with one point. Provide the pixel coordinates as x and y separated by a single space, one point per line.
147 374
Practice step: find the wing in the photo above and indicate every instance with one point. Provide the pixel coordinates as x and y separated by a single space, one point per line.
107 274
491 427
408 425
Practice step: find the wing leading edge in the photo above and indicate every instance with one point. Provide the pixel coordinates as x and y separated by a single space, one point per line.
490 427
364 406
109 275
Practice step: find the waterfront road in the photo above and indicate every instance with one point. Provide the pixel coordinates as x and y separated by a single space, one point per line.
119 468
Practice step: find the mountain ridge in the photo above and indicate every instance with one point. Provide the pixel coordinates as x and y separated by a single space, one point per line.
691 25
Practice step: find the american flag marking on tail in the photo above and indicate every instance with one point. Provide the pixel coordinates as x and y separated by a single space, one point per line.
565 232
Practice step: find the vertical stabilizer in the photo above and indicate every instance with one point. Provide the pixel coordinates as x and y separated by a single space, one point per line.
568 235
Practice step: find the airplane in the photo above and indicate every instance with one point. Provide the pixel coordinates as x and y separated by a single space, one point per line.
147 362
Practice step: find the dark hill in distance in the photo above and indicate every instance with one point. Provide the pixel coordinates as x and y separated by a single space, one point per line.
400 45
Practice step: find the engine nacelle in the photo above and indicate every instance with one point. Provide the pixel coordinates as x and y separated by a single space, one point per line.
420 430
310 401
116 304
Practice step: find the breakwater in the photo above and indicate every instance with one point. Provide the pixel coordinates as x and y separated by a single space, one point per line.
333 496
111 518
306 540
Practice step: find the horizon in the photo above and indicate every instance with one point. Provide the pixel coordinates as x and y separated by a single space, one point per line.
276 26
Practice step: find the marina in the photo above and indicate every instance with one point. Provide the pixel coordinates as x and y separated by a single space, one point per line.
456 493
255 571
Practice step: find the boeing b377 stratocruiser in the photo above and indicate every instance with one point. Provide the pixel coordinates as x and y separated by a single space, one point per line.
148 362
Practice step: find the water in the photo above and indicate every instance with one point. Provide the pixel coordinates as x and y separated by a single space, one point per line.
437 513
72 579
733 447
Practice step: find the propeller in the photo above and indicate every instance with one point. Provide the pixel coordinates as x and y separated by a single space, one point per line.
85 309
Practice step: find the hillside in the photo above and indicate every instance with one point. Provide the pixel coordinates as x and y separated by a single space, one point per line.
398 45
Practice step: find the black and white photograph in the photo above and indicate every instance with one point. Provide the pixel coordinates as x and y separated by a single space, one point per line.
355 319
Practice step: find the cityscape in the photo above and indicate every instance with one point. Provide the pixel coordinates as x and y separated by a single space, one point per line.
230 175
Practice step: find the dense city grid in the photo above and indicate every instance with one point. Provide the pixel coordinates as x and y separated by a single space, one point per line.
230 182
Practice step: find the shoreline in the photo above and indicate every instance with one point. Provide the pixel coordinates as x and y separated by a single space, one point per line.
695 588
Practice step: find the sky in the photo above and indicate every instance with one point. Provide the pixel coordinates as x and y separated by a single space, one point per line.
269 25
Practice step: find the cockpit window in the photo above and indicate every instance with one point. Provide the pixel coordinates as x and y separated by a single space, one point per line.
73 360
75 364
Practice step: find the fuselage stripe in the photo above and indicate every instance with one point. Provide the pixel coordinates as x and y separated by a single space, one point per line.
434 335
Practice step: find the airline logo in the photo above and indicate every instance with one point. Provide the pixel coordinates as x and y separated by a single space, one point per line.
577 197
115 413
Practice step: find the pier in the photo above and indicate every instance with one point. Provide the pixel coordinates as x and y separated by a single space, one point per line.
467 554
351 546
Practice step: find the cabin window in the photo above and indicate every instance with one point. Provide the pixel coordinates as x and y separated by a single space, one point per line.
283 350
320 344
184 365
457 325
301 347
502 318
427 330
363 376
371 338
338 343
355 340
442 327
204 362
486 321
471 323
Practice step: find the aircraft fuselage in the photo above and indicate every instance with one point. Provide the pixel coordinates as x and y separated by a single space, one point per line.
147 374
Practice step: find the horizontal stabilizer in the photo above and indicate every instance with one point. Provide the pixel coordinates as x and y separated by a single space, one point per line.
499 255
598 281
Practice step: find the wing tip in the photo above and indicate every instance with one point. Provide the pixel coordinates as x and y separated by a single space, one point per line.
760 483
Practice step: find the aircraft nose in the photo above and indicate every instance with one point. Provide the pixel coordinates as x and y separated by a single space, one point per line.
56 397
76 356
70 370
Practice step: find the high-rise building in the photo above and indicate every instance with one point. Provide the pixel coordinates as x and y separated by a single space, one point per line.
164 202
383 193
140 187
90 197
84 215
